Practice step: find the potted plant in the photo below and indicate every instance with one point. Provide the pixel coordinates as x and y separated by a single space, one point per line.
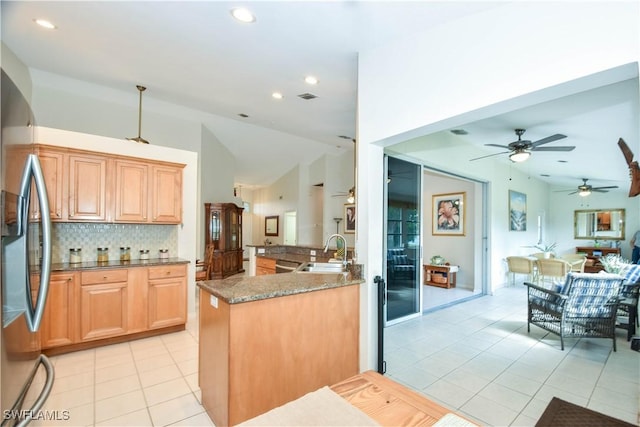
547 249
613 263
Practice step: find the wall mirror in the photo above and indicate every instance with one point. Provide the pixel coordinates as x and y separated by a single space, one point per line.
271 225
606 224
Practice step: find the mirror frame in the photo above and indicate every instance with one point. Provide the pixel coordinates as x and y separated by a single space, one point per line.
585 211
271 225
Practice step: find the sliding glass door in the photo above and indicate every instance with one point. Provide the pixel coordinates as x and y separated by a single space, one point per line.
403 242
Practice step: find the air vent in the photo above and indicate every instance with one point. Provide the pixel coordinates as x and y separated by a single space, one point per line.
459 132
344 137
243 115
307 96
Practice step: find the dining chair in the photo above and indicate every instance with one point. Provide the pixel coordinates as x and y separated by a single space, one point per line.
577 262
553 270
520 265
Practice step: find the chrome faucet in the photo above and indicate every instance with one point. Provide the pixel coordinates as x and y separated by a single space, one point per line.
344 245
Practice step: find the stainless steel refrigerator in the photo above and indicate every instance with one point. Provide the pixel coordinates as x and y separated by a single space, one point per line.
26 375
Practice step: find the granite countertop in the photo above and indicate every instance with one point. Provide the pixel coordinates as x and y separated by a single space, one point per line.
94 265
238 289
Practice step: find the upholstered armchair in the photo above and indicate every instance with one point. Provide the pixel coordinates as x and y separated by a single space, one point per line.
584 307
629 296
399 263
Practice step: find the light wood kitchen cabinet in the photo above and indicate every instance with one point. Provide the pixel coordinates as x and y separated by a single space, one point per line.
52 164
60 317
137 300
103 303
265 266
167 296
131 191
166 194
87 187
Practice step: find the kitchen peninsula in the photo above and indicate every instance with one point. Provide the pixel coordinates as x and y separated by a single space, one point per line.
267 340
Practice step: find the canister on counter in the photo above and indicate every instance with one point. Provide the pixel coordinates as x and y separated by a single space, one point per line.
75 255
163 253
125 253
144 254
103 255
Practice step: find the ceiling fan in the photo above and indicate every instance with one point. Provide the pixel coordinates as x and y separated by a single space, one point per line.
521 149
585 189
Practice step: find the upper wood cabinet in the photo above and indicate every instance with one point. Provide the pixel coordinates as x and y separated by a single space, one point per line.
87 186
132 190
166 194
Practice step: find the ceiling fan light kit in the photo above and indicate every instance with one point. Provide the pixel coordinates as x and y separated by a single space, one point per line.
520 150
139 138
519 156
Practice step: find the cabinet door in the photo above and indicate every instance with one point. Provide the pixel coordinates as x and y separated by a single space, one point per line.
166 197
52 163
103 310
131 193
60 319
87 188
167 302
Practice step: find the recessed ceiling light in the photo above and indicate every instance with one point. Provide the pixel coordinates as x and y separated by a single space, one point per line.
243 15
311 80
45 24
277 95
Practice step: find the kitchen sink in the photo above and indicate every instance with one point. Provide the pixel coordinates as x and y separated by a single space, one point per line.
322 267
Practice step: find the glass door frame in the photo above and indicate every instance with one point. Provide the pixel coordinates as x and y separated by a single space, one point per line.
419 273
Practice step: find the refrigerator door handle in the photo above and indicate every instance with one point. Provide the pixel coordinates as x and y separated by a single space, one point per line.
42 397
33 169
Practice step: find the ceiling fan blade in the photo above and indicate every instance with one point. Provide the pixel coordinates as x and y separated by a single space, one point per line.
497 145
561 148
605 188
597 190
489 155
572 193
548 139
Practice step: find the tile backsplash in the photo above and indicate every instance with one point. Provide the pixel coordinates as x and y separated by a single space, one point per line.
90 236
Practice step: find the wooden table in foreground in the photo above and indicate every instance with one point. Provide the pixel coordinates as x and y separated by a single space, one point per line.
387 402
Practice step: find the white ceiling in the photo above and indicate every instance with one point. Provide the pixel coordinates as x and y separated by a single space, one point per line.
195 55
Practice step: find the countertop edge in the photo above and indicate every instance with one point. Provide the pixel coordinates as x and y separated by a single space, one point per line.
93 265
268 293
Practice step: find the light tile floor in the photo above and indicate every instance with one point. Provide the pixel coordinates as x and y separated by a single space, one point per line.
475 358
478 359
147 382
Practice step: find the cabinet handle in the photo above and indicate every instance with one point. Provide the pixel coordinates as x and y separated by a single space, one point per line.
168 272
58 214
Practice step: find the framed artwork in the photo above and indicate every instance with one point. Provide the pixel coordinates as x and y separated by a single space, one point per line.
448 214
271 225
517 211
350 215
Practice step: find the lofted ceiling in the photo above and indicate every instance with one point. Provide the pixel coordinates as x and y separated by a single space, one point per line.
194 54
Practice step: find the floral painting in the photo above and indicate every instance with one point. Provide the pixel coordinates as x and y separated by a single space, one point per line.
517 211
448 214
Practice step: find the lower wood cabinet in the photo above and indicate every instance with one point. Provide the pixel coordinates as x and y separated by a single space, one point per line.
265 266
91 305
60 317
103 304
167 296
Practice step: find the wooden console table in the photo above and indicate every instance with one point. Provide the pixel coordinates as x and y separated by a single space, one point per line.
443 276
593 255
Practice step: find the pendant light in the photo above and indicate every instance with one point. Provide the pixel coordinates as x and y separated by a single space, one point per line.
139 138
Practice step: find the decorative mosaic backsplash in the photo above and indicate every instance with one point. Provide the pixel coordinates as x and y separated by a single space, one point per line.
113 236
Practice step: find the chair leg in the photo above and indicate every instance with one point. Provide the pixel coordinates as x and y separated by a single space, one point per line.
561 343
614 341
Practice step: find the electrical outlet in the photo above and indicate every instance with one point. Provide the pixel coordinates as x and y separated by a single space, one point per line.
312 253
214 301
260 250
313 259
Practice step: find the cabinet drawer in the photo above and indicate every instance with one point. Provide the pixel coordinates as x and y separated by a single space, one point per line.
269 263
164 271
104 276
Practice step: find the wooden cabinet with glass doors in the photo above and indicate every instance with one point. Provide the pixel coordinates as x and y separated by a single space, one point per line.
223 230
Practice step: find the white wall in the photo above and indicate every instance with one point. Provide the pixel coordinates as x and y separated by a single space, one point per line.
466 70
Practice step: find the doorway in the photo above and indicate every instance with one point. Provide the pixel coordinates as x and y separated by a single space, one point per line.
290 227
